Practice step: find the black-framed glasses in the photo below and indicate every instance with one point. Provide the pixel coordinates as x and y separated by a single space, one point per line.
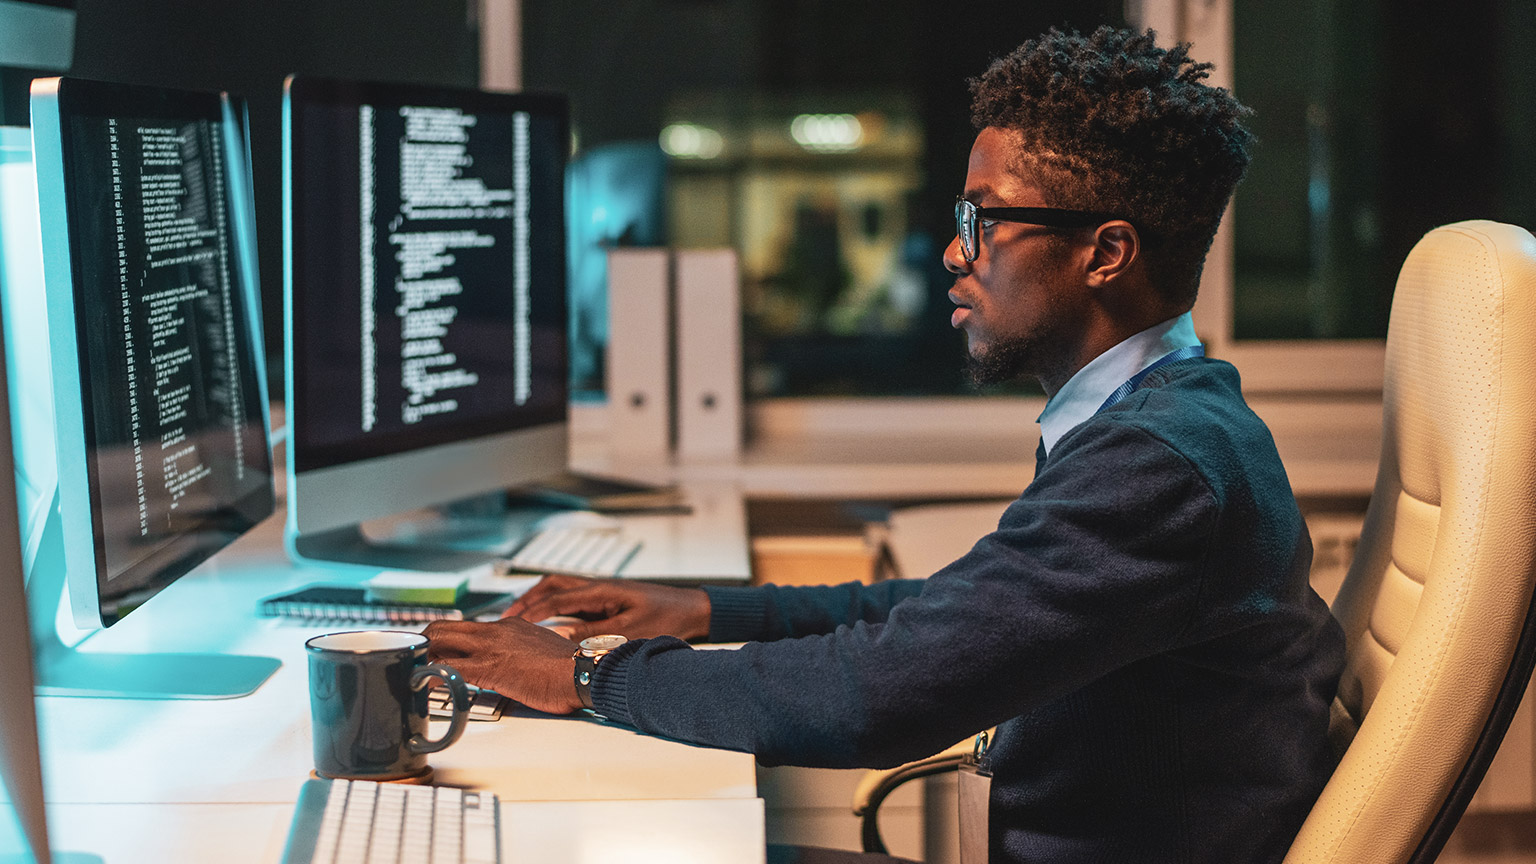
968 219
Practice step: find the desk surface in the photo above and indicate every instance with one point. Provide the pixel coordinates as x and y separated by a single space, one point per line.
152 759
708 543
583 832
919 449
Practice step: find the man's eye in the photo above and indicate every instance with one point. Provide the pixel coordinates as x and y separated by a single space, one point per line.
988 224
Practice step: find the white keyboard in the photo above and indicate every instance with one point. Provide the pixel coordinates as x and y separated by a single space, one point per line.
483 704
361 822
597 552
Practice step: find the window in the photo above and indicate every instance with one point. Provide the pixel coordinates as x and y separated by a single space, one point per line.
825 141
1376 122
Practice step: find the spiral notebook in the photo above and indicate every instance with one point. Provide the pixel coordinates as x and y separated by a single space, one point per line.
351 603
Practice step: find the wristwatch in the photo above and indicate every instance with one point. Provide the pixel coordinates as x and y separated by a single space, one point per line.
592 650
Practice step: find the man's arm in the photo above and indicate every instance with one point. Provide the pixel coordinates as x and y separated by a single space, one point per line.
641 609
1097 565
770 612
631 608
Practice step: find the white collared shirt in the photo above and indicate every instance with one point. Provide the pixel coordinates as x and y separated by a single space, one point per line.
1086 391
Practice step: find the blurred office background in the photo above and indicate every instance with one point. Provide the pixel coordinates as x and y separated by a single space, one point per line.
826 139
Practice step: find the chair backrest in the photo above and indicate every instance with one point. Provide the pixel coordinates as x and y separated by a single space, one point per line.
1437 607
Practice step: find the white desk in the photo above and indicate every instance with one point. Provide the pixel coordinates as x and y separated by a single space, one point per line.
139 780
935 448
590 832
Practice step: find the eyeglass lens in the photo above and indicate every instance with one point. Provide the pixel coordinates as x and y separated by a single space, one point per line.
965 228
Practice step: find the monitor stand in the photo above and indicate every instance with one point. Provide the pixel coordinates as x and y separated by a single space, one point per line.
460 535
63 670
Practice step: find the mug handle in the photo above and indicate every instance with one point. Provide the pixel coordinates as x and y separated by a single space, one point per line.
420 743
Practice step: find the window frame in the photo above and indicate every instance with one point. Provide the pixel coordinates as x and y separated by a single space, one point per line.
1299 366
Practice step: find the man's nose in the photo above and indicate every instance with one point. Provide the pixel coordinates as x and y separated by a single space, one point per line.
954 258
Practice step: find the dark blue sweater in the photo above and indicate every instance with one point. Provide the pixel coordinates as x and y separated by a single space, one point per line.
1140 624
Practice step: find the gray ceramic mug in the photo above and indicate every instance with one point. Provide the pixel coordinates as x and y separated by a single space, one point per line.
368 704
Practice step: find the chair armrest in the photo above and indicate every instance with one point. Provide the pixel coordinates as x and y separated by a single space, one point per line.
877 785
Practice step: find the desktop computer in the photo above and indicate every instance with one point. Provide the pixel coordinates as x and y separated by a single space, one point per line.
425 307
24 830
137 403
23 823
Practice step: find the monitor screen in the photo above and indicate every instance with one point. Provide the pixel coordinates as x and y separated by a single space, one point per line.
428 283
160 422
425 306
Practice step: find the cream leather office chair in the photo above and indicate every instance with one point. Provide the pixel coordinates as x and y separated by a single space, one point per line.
1437 608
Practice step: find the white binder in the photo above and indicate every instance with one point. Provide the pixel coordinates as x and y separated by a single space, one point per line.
639 370
709 418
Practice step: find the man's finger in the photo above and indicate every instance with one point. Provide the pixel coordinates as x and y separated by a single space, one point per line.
440 628
453 638
622 623
585 601
549 584
476 671
536 610
579 630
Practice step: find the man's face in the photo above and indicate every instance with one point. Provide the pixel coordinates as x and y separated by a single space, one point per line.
1018 302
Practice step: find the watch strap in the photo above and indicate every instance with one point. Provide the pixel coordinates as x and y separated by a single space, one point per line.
585 666
588 654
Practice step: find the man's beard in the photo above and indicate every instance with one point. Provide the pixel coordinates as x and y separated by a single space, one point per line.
1004 361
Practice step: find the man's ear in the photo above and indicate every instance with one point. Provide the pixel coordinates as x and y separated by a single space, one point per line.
1116 249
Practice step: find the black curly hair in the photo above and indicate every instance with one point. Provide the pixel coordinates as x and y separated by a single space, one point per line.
1112 123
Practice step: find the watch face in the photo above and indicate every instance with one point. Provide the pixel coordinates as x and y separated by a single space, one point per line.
602 643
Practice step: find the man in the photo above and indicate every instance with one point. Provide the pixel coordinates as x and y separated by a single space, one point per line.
1140 623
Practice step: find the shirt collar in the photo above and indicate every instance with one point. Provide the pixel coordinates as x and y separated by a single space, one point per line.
1084 392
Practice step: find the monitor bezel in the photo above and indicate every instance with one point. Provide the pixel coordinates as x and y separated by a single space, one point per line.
305 456
95 601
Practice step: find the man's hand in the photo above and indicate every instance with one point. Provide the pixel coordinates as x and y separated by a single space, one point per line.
516 659
638 610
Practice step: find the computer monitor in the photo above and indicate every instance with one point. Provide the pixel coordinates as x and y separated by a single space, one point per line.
23 824
138 407
425 306
24 831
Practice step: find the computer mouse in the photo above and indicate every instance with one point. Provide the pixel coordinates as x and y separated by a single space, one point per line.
583 520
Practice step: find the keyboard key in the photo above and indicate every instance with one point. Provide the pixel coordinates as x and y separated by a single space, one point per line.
483 704
360 822
595 552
